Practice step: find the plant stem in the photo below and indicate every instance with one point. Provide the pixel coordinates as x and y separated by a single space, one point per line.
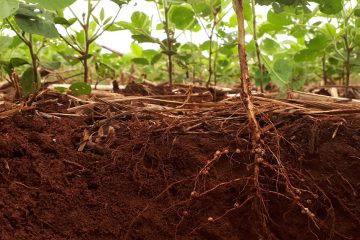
257 47
30 45
245 80
215 66
169 44
347 65
210 66
87 43
324 69
255 131
33 60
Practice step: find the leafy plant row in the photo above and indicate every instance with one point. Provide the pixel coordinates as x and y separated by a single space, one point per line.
324 50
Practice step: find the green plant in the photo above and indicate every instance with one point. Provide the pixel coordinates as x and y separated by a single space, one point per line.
27 20
174 15
92 28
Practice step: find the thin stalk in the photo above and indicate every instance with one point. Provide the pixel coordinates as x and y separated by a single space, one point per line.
33 60
193 62
210 66
347 65
348 49
257 47
87 43
29 44
324 69
215 66
343 74
169 44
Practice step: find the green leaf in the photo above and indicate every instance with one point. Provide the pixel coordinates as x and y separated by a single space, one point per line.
264 2
279 19
268 28
357 12
96 20
247 10
63 21
233 21
104 70
37 26
142 38
357 39
53 4
156 58
51 65
149 53
205 46
286 2
305 55
27 82
36 21
120 2
141 61
60 89
5 42
278 78
102 14
281 69
141 21
270 46
17 62
331 6
80 88
333 61
80 37
8 7
202 8
182 16
330 30
298 31
318 43
136 49
7 67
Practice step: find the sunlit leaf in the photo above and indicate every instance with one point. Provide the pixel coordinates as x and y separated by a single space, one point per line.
141 21
136 49
8 7
53 4
331 6
80 88
182 16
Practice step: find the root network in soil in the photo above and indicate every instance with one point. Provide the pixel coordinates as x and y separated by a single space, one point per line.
138 169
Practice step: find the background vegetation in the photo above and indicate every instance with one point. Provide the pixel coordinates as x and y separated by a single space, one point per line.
298 42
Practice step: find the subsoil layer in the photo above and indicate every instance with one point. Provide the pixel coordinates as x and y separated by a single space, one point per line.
141 184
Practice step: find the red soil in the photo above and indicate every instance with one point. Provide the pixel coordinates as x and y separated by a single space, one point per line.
139 186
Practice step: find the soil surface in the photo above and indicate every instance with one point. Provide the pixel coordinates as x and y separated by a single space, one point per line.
135 178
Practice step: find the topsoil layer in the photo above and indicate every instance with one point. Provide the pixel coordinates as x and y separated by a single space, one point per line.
140 183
